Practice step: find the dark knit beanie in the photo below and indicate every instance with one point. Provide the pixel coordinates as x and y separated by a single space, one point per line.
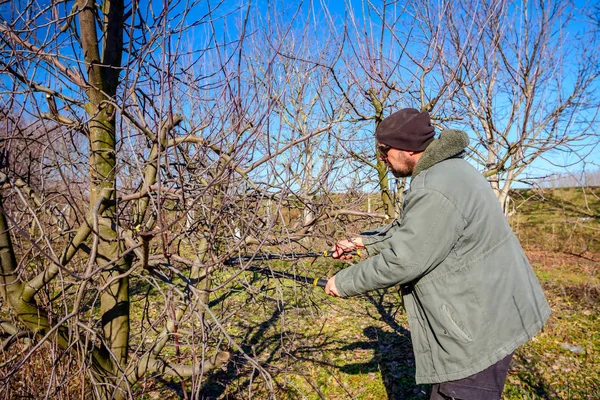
407 129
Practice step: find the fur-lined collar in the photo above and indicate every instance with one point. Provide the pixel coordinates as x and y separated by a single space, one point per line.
450 144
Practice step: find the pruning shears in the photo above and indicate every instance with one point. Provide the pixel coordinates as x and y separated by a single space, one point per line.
287 256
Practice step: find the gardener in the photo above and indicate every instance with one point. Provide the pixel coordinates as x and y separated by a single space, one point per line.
470 294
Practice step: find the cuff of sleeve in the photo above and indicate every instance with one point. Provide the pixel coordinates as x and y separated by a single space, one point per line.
370 243
368 240
345 284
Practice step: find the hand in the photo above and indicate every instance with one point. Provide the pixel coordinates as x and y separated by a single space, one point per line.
343 247
330 288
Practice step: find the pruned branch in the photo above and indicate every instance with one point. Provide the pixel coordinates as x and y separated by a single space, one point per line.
151 365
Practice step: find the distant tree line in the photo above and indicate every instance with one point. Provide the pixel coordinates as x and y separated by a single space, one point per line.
574 179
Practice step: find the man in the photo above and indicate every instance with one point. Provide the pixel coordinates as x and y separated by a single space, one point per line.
470 294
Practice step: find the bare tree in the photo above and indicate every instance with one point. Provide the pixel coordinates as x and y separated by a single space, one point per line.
143 147
394 56
530 89
160 146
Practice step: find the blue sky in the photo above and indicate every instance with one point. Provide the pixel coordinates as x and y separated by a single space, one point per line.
226 22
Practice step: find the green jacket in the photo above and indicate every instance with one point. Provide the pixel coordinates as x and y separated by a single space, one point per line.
470 294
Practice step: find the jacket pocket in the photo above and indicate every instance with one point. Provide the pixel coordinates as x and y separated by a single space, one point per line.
453 324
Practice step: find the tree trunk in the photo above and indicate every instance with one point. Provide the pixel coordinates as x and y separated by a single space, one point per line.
28 312
381 167
384 188
103 77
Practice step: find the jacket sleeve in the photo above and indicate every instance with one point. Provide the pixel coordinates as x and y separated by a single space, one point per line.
430 227
378 238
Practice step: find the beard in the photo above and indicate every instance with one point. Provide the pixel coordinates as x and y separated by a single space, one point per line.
404 169
402 173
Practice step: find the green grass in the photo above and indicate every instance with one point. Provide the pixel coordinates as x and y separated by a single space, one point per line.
563 361
562 220
318 347
360 348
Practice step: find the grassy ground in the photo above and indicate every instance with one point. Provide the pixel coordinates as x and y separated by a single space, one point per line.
317 347
558 220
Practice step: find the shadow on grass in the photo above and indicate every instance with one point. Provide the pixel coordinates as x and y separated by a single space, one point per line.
239 374
393 355
531 377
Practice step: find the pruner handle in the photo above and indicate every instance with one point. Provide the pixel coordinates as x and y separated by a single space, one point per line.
328 253
320 282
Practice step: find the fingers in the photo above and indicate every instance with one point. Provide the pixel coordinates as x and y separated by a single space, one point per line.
330 288
358 242
342 247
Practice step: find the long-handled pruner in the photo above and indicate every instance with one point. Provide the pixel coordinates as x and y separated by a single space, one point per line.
280 274
286 275
285 256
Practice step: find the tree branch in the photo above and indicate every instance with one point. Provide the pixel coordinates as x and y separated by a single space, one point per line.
72 75
286 147
151 365
34 285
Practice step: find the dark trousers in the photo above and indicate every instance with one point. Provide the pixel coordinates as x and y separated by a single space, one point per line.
485 385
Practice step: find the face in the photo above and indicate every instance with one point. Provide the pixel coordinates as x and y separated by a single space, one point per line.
398 161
